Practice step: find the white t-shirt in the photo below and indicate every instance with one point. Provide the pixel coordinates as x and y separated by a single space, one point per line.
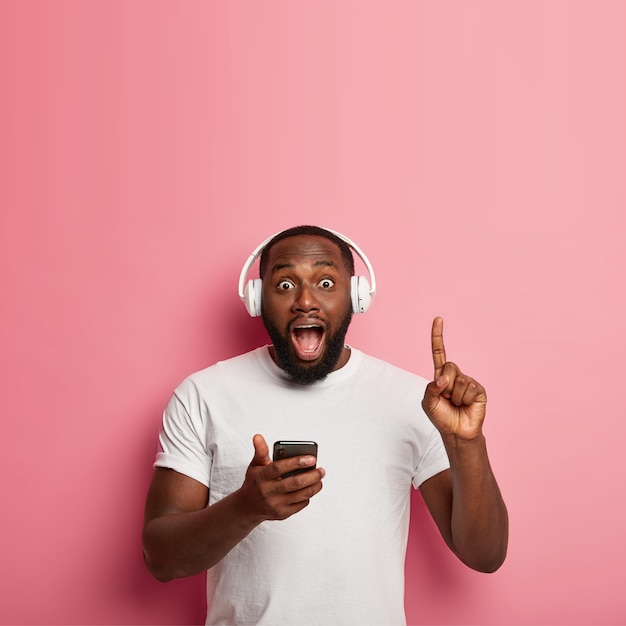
341 559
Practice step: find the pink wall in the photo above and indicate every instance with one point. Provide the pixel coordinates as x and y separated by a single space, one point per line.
477 153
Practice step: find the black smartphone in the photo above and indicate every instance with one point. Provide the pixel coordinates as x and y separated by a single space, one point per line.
286 449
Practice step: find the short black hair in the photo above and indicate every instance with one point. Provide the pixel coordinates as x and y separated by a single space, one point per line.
346 252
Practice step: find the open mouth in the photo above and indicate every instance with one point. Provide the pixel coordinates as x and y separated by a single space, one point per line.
308 340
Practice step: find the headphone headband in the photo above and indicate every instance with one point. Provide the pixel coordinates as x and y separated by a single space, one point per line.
362 290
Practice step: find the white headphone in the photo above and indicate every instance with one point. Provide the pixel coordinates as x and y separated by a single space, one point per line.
360 290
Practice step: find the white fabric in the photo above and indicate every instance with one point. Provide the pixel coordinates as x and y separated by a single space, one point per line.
341 559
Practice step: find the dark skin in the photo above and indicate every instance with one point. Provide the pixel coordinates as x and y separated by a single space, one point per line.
307 283
465 500
183 536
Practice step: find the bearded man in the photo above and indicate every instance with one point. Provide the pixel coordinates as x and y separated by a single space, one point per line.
276 548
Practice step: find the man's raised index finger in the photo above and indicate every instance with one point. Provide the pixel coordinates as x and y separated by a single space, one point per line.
439 351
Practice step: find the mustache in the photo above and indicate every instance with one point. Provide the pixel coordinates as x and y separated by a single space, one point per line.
308 318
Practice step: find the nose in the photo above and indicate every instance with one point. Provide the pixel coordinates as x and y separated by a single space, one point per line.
305 300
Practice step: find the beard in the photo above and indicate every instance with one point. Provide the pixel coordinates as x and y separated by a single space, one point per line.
308 374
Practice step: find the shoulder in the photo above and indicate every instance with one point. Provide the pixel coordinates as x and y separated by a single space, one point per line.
241 362
241 366
382 367
385 372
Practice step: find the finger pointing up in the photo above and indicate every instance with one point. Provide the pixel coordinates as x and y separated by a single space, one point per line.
439 351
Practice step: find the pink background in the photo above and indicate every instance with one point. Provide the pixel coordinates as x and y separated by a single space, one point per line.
476 151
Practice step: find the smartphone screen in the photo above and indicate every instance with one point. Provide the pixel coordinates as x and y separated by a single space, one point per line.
287 449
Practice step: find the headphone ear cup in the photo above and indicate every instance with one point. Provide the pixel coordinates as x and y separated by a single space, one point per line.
360 294
252 296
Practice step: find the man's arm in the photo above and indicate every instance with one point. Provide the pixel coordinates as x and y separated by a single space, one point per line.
183 536
465 500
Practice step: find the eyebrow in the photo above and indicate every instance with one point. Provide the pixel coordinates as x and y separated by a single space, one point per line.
283 266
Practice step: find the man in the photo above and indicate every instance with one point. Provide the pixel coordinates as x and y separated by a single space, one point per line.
278 549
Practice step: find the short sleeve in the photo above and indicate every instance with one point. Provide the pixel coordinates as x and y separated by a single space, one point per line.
182 443
434 460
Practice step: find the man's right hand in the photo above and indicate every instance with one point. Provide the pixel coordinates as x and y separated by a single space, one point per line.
266 495
183 536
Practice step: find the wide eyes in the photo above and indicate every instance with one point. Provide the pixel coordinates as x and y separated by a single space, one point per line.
287 285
